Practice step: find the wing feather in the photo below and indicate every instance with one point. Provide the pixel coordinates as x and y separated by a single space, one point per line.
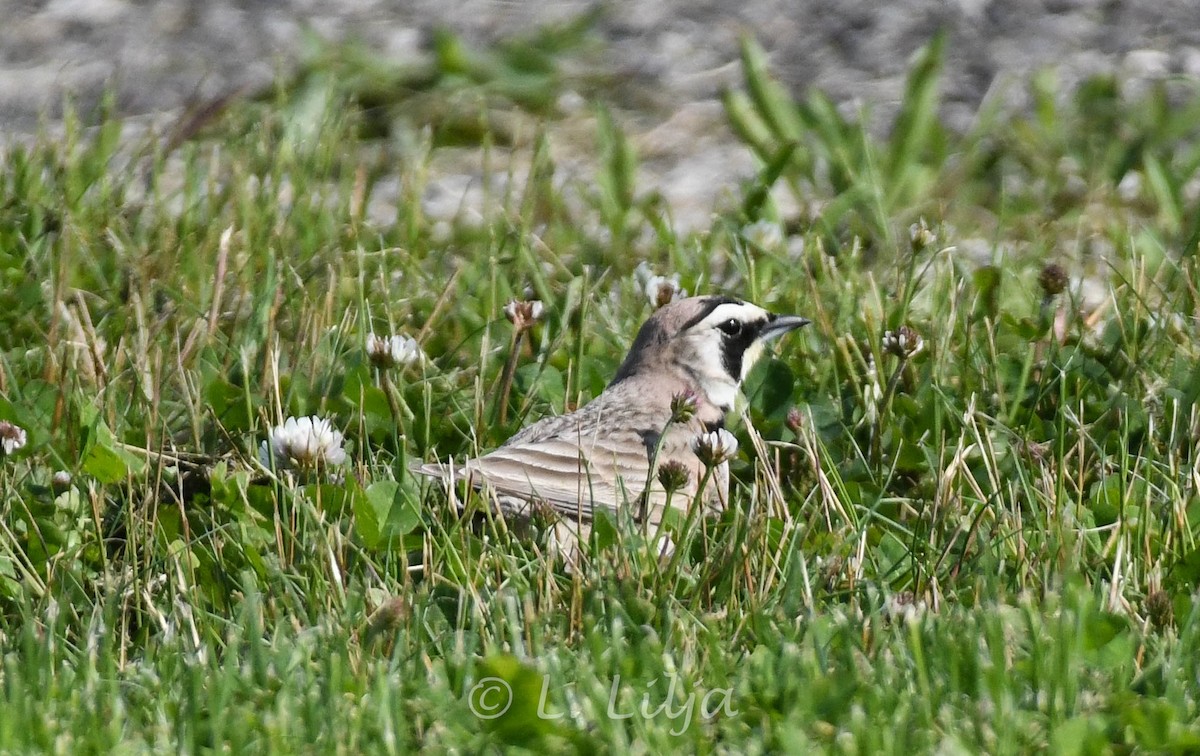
572 480
595 458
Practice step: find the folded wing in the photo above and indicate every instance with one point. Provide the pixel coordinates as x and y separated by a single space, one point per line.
575 480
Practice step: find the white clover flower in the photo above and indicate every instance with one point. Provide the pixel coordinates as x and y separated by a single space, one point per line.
391 351
904 607
715 447
1130 187
61 480
903 342
921 236
764 234
523 314
642 273
12 437
303 442
1191 190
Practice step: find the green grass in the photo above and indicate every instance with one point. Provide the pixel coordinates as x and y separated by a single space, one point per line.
990 545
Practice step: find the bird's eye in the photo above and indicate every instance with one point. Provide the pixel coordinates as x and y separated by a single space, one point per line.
731 327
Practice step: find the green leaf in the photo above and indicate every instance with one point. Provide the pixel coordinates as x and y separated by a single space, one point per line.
747 124
987 284
771 100
604 530
385 511
453 57
229 404
1112 496
917 121
1170 211
769 386
1186 571
372 509
757 197
328 497
1078 735
509 699
105 465
361 392
545 379
1107 639
104 458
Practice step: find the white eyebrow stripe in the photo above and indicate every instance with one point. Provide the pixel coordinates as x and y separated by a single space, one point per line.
744 312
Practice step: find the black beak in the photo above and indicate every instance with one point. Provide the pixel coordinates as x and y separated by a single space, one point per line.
781 324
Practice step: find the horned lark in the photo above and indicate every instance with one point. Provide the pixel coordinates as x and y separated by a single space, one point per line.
606 454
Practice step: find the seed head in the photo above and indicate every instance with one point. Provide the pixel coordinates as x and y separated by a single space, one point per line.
673 475
795 420
660 290
684 405
12 437
525 313
715 447
904 342
1052 279
1159 610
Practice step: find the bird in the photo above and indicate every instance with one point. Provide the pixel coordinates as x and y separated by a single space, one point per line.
676 387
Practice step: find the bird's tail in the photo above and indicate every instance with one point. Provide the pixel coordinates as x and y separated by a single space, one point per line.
441 470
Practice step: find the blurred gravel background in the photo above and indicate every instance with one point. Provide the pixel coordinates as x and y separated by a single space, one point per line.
670 58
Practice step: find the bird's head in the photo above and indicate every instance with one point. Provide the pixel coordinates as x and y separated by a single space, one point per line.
709 342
